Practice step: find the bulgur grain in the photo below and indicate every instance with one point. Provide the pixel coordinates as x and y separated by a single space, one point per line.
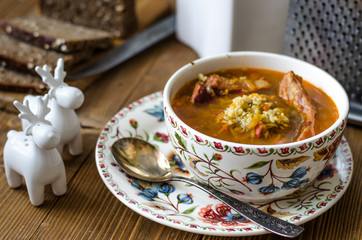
247 112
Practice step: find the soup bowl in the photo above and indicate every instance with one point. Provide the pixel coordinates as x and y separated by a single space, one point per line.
254 173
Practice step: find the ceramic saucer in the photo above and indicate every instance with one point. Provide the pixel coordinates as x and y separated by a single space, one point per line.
187 208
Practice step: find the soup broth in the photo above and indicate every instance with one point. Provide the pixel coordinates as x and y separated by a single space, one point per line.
212 117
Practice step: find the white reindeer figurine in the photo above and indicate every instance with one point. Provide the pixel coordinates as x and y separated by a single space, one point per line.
32 153
64 99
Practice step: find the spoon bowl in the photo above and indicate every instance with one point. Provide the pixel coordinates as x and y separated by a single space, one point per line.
142 160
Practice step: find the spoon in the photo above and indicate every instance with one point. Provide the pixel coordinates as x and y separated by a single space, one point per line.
142 160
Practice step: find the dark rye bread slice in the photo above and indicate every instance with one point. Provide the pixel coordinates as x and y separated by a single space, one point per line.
20 82
24 57
115 16
56 35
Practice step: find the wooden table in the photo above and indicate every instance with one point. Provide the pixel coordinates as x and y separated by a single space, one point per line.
90 211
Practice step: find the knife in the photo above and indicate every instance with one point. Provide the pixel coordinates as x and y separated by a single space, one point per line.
355 113
129 48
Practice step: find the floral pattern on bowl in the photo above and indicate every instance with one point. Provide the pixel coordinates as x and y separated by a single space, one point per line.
181 206
262 173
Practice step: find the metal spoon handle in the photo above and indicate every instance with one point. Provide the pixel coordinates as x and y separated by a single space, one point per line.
255 215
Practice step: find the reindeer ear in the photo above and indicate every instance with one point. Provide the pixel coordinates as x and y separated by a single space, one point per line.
45 99
28 130
51 92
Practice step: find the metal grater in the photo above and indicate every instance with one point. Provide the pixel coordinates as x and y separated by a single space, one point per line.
328 34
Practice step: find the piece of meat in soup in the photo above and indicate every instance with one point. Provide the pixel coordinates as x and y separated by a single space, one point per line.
216 85
291 90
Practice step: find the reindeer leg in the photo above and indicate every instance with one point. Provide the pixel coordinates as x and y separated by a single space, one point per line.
76 146
14 178
60 185
36 192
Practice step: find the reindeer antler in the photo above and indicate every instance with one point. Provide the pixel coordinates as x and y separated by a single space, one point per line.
59 75
47 76
27 114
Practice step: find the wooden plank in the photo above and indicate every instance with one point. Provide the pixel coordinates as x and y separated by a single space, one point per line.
170 60
132 80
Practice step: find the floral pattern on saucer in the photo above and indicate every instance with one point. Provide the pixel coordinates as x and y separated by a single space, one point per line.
181 206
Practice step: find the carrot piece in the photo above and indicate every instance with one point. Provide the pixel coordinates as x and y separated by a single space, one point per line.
224 128
258 129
